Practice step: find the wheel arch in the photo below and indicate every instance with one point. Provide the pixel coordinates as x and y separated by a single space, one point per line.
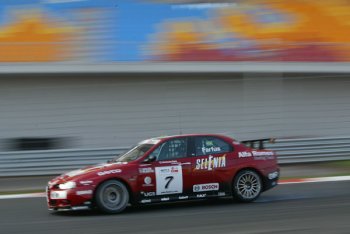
251 169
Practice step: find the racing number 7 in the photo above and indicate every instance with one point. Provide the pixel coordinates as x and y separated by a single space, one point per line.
169 179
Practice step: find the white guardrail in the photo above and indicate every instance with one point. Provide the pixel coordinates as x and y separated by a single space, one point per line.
176 67
51 162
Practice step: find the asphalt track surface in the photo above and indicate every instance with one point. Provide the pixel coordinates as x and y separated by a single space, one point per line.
293 208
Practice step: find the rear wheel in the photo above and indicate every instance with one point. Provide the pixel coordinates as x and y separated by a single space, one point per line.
247 186
112 197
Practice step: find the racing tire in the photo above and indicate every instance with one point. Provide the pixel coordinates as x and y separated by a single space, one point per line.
247 186
112 197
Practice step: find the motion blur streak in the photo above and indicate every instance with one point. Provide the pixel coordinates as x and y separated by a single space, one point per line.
301 208
53 31
315 180
266 30
25 195
108 30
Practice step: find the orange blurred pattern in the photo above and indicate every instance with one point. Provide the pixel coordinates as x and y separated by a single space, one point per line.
34 37
312 31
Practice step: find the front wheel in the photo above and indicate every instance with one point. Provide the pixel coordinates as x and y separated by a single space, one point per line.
247 186
112 197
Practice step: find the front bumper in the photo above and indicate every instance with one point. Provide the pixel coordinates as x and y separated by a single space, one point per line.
71 208
70 199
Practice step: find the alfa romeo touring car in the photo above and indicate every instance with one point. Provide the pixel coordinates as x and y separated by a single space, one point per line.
173 168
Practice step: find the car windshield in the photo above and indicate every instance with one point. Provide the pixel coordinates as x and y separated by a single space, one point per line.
134 153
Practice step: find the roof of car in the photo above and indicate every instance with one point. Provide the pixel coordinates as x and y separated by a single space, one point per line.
189 135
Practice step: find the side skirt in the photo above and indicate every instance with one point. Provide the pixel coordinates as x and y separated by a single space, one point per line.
179 197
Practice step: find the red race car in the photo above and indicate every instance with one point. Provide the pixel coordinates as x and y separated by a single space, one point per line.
170 168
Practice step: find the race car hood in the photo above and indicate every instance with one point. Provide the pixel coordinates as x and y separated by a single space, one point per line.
86 171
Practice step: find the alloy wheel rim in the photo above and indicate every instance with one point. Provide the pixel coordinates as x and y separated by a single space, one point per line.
248 186
112 196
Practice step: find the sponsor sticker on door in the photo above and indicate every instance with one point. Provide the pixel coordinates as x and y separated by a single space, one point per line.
209 163
205 187
146 170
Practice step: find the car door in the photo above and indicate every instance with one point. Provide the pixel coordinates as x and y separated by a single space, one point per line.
168 177
210 161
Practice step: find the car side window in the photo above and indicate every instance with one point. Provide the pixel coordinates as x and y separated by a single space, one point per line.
171 149
211 145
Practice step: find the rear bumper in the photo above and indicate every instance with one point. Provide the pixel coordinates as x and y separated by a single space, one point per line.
271 180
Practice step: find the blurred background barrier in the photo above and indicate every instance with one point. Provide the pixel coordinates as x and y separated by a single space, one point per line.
182 67
311 149
51 162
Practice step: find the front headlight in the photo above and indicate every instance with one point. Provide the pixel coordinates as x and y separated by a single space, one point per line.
68 185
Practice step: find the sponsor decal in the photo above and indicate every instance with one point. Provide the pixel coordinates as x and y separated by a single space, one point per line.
148 194
147 180
221 194
262 153
146 170
205 187
174 169
167 170
84 192
133 178
167 162
201 195
164 170
146 201
244 154
263 157
165 199
212 149
183 197
211 163
86 182
256 154
273 175
102 173
196 188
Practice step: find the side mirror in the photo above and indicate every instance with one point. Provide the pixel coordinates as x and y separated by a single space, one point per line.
151 158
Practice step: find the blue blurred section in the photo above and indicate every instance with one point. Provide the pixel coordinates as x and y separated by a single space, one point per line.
138 20
127 24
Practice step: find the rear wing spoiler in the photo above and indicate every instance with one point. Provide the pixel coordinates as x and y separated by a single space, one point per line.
259 143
